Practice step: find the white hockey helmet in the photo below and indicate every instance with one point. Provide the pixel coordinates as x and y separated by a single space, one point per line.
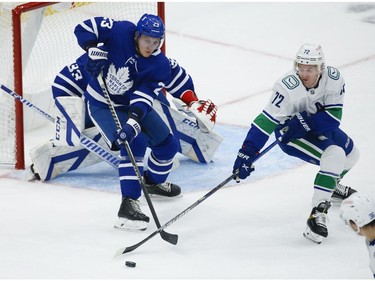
311 54
359 208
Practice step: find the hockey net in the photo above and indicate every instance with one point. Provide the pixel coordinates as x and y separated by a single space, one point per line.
36 42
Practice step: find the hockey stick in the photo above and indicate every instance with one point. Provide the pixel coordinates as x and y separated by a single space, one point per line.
85 141
171 238
188 209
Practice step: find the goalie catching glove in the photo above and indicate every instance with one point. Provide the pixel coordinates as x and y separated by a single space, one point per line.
205 112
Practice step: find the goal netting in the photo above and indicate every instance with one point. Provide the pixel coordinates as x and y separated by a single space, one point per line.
36 42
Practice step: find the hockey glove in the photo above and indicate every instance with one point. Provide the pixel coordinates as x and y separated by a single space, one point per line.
296 127
97 60
205 113
129 131
243 165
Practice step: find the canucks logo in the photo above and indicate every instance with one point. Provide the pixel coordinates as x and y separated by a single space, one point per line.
333 73
290 82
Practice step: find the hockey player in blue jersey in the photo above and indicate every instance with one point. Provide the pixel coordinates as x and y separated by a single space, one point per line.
134 71
304 112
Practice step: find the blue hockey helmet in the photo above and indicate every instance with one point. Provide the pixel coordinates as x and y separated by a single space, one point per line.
151 25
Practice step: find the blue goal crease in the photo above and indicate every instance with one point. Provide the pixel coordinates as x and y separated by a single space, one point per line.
190 173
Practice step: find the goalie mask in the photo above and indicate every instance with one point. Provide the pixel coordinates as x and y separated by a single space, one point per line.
358 208
310 54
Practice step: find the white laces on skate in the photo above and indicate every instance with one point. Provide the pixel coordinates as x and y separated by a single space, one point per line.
135 205
167 186
321 219
342 189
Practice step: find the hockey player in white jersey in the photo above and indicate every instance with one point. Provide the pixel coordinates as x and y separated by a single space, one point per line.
304 112
358 212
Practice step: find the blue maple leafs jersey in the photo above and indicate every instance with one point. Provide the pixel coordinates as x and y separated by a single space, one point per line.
73 79
131 79
289 96
180 80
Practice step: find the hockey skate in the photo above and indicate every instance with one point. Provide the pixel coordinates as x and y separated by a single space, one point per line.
317 223
341 192
131 216
165 189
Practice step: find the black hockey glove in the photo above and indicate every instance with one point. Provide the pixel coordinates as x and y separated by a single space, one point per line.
97 60
296 127
243 165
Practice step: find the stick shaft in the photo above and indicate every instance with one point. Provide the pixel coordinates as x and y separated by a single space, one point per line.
171 238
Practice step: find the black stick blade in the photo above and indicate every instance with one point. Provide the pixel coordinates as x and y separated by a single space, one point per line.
171 238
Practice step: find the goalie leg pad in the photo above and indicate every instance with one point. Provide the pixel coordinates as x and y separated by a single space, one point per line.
194 143
74 108
49 160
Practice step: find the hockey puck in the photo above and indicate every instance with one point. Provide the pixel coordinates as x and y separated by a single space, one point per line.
130 263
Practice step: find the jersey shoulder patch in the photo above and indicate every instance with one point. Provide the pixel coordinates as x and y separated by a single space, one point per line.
333 73
290 81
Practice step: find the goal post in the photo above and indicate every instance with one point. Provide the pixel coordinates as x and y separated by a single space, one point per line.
36 42
17 72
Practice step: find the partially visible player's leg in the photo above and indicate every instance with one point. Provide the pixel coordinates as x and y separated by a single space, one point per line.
338 159
343 191
130 215
164 147
352 156
332 156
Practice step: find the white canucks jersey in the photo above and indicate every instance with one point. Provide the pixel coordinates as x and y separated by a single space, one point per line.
290 96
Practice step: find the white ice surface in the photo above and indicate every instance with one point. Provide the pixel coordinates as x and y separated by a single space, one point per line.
252 230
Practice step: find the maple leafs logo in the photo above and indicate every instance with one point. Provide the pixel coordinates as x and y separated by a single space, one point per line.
118 81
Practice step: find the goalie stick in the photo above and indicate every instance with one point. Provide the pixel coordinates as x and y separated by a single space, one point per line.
188 209
85 141
171 238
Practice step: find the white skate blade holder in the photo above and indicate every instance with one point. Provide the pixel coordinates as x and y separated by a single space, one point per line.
125 224
308 234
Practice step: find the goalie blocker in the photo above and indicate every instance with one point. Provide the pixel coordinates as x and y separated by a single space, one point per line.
191 126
